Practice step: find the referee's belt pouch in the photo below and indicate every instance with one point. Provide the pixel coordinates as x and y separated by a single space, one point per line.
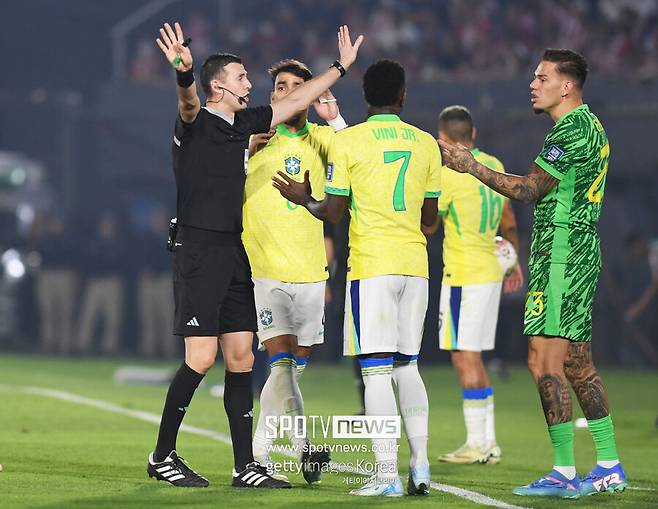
171 237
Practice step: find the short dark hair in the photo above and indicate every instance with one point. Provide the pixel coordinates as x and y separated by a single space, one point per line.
457 122
213 65
384 83
569 62
294 67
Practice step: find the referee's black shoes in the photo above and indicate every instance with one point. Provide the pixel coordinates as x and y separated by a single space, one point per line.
255 475
174 470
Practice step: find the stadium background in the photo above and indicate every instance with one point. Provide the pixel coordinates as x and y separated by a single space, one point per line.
87 109
88 105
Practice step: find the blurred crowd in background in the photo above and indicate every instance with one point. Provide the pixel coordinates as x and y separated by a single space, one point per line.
453 39
86 185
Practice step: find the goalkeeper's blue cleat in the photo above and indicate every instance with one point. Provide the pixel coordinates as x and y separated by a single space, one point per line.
554 484
600 480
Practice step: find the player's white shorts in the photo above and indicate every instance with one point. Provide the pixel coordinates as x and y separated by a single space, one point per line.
468 316
384 314
290 308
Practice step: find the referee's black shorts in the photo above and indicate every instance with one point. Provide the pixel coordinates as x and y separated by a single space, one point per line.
213 290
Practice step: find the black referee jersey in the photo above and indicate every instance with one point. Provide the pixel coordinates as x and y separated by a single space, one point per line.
210 164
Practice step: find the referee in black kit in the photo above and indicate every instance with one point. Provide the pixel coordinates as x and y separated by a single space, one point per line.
213 290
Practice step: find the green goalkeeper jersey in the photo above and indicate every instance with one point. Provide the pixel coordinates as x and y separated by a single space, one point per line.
575 152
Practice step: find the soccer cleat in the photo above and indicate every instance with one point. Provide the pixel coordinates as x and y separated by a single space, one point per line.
465 455
267 462
419 481
494 455
554 484
600 480
174 470
313 463
256 475
375 488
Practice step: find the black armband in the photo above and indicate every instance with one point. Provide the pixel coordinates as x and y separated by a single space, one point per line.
185 79
340 68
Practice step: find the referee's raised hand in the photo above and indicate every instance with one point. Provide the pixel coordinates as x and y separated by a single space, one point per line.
172 45
346 49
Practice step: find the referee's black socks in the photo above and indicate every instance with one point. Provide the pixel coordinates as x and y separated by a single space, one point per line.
238 403
178 399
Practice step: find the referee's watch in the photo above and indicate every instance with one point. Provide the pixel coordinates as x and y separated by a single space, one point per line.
340 68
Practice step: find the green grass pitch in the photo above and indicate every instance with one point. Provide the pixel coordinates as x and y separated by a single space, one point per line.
61 454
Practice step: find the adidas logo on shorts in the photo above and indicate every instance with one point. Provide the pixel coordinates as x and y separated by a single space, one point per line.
193 322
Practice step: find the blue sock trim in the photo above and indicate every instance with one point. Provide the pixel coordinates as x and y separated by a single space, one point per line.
489 391
372 362
475 393
279 356
301 361
400 357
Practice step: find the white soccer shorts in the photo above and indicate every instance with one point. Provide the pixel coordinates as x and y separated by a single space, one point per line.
290 308
384 314
468 316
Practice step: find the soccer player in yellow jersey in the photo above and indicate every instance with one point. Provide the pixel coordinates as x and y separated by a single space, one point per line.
286 250
472 282
388 173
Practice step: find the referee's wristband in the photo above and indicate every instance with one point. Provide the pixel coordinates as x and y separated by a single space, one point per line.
185 79
340 68
338 123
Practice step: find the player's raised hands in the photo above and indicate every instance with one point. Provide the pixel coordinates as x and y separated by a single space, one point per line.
296 192
172 43
456 157
346 49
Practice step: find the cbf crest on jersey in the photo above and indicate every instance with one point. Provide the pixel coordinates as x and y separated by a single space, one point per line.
293 164
265 317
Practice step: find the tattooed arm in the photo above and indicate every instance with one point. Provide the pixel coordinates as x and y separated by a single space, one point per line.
527 189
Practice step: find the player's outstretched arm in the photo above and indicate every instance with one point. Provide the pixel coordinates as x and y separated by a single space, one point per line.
530 188
305 94
331 208
172 43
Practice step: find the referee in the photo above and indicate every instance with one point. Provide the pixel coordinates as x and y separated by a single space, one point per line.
213 291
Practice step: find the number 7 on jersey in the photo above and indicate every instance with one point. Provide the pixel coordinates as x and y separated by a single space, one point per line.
392 156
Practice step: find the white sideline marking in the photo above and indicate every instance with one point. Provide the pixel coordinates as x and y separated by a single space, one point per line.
110 407
473 496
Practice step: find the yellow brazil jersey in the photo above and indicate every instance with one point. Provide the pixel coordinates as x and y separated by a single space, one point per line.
472 213
283 240
387 167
